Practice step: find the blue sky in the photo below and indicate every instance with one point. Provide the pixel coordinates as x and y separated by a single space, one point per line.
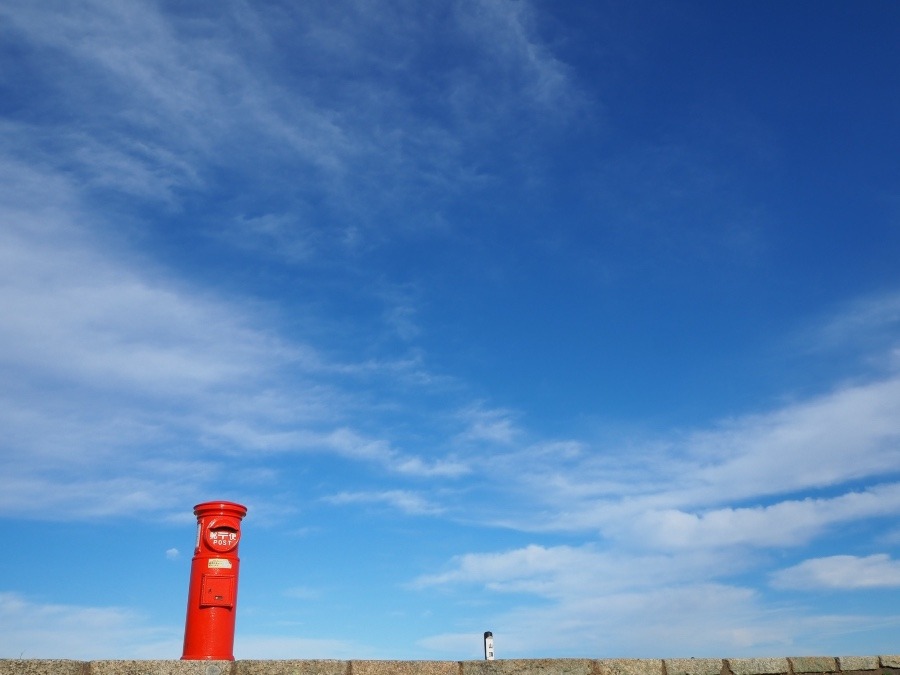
576 322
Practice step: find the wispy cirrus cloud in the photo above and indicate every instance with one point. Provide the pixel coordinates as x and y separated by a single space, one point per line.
128 383
48 630
486 425
786 523
577 600
685 515
403 500
601 602
348 135
343 441
563 571
747 470
868 322
843 572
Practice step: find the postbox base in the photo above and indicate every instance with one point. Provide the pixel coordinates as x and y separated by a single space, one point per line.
207 658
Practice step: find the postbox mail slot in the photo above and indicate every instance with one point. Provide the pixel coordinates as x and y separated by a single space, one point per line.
223 533
217 591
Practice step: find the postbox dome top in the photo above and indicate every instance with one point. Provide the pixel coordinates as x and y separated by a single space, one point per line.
220 508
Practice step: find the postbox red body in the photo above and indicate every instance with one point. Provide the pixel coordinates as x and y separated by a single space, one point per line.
212 596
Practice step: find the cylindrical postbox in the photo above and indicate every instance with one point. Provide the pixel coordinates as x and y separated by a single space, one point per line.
212 596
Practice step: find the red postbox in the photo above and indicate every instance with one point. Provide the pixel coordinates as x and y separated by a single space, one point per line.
212 596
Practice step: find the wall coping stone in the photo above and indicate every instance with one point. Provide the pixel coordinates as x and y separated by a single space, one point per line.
159 667
760 666
293 667
40 667
629 667
526 667
813 664
693 666
404 668
846 663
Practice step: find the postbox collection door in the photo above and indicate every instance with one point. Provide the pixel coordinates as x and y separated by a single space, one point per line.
217 591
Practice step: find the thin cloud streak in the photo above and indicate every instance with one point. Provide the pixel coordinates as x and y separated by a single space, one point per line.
76 632
601 603
167 365
787 523
843 572
670 490
403 500
646 606
687 525
197 99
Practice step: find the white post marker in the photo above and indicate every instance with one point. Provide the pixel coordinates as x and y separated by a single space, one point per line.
488 646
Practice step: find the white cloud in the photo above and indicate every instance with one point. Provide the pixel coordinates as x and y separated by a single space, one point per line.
342 441
846 572
199 92
868 321
403 500
850 433
607 604
560 572
680 516
490 425
442 468
786 523
100 361
702 619
83 494
740 482
77 312
30 629
534 566
506 31
121 380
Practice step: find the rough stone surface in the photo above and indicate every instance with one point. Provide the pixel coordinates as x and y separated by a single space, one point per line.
858 663
759 666
528 667
404 668
287 667
814 664
40 667
693 666
802 665
161 668
629 666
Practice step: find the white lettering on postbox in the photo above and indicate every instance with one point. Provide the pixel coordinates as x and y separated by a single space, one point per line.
222 538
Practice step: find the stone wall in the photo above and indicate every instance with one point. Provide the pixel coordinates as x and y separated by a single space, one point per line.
804 665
